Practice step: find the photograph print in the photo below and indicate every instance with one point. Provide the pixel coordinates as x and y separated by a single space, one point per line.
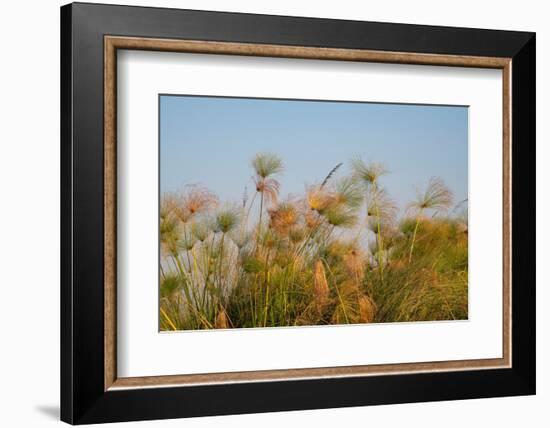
287 213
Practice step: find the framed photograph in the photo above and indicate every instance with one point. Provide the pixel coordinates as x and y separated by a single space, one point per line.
265 213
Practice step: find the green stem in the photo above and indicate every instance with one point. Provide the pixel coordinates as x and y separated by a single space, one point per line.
260 220
220 265
247 215
378 233
185 281
414 235
337 291
266 305
186 250
266 267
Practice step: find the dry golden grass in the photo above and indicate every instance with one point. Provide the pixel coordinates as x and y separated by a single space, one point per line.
336 255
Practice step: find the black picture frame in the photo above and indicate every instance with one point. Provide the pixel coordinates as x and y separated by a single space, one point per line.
83 398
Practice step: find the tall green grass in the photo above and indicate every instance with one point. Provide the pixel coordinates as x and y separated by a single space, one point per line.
338 254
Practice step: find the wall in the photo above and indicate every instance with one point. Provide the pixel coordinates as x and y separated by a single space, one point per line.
29 230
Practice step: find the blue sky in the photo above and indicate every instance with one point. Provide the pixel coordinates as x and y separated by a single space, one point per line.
211 140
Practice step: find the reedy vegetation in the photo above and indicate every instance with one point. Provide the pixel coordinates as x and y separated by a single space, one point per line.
337 255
